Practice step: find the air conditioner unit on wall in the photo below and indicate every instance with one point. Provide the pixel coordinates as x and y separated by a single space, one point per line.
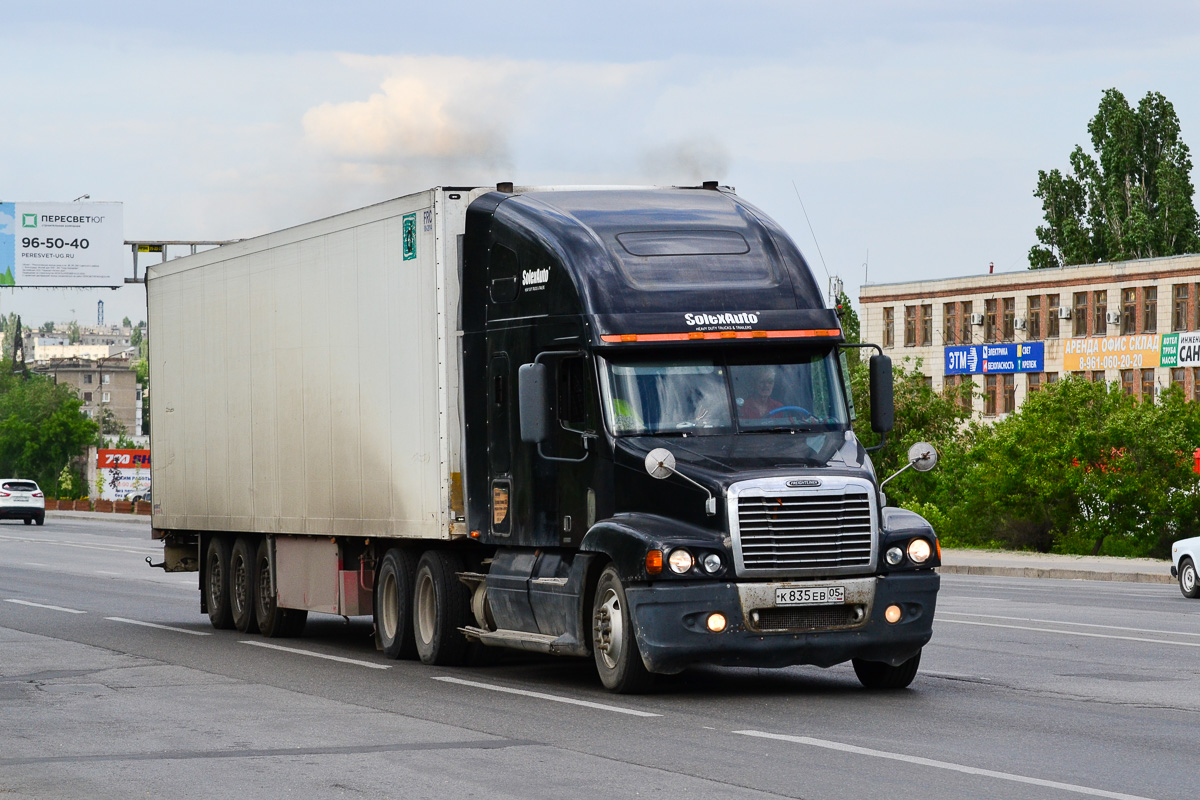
1113 317
1064 312
1019 323
977 319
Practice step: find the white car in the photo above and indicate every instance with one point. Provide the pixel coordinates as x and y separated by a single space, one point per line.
22 499
1185 555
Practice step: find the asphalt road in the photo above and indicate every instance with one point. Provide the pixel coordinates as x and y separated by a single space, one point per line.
112 684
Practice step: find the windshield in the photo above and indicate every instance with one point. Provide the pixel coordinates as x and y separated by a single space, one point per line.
713 395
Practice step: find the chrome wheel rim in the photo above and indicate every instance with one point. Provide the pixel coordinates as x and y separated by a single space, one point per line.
608 629
240 586
1189 578
265 598
389 606
214 581
426 607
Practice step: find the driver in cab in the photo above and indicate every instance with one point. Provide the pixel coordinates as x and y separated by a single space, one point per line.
756 401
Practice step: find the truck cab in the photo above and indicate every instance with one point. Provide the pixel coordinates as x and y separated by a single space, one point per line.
659 457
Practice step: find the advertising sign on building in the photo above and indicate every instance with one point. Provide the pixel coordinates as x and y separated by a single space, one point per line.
976 359
126 473
1181 350
62 244
1111 352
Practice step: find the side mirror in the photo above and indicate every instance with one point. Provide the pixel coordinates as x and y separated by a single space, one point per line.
923 456
883 407
531 400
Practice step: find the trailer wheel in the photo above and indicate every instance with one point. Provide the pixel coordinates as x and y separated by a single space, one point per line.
878 675
614 646
441 605
1189 584
242 585
272 620
216 583
393 604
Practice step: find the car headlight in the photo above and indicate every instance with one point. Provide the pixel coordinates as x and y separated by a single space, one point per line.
681 561
919 551
712 563
894 555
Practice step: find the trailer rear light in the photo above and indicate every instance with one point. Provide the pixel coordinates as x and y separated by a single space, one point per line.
716 622
654 562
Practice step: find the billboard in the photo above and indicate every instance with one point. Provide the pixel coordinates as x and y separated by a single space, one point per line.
62 244
976 359
1181 350
1111 352
125 473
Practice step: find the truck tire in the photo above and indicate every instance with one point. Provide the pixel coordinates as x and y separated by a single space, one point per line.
393 604
1189 583
216 583
273 621
441 605
614 645
878 675
242 585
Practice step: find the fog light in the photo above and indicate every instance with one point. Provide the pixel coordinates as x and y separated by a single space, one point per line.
681 561
894 555
919 551
892 614
716 622
712 563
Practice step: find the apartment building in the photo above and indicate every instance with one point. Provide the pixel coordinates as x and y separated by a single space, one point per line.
1136 323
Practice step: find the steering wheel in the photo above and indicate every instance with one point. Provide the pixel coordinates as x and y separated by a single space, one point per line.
785 409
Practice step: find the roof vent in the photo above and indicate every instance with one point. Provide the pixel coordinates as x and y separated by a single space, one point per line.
711 185
505 187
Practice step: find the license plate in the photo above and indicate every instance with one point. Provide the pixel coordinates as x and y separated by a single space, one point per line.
810 596
20 499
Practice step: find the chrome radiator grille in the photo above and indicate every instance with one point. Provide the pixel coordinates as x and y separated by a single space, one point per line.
805 533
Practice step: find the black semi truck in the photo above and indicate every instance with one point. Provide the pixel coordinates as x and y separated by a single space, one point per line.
603 422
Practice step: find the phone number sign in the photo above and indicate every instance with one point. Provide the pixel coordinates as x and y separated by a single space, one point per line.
62 244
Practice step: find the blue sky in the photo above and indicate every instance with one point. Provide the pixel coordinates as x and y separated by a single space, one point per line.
913 131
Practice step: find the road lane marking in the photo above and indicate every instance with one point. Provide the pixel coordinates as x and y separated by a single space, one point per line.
298 651
156 625
1070 633
947 765
543 696
135 549
1063 622
43 605
108 572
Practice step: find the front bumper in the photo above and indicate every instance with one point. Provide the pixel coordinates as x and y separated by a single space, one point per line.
669 620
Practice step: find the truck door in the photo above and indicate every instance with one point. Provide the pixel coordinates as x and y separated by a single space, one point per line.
574 442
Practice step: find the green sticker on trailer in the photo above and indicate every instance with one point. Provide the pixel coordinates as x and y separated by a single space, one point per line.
410 236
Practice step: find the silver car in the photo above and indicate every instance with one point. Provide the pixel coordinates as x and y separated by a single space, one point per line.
22 499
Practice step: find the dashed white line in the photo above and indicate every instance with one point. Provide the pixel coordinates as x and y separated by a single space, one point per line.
44 605
1063 622
633 712
947 765
106 572
1069 633
156 625
298 651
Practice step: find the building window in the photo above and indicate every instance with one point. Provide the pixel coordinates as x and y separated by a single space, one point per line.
1033 382
990 330
1051 377
1099 313
1149 309
1033 323
910 326
1080 317
1127 381
1196 383
989 395
929 382
1051 316
967 336
1010 393
926 325
1177 378
958 384
1098 376
1147 384
87 377
87 397
1179 320
1009 314
1079 373
1128 311
105 397
889 327
106 379
950 323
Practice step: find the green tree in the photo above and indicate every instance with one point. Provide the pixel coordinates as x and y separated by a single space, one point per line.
126 323
41 426
46 329
1130 198
73 332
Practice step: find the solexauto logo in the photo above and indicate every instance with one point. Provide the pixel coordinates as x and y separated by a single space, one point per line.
744 318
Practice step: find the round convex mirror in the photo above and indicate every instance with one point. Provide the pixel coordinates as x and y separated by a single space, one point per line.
660 463
923 456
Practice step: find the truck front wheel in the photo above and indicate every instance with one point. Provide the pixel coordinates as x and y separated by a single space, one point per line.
878 675
393 604
216 583
614 646
441 605
242 585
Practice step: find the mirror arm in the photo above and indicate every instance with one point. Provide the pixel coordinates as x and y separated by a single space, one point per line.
876 447
894 474
710 505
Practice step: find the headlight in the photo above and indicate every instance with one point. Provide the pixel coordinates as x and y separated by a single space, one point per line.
712 563
919 551
894 555
681 561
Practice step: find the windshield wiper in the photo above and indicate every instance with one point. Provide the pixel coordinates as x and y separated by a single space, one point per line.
780 429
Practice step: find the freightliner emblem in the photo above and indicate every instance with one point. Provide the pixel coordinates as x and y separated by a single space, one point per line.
796 484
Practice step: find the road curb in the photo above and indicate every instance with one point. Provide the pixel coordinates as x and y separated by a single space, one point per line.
1056 573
